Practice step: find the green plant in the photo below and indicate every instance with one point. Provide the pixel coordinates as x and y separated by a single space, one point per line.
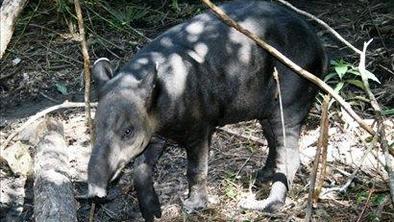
175 5
388 112
61 88
345 74
361 197
125 15
230 189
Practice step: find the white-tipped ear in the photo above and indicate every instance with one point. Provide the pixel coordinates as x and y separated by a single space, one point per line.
101 59
102 72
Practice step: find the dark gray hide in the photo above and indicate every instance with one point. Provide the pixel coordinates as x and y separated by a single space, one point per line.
194 77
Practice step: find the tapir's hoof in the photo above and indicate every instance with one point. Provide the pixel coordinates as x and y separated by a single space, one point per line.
266 205
150 208
191 205
264 175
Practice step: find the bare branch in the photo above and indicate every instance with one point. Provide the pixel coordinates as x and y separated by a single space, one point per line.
86 67
320 156
321 22
65 104
254 139
225 18
381 131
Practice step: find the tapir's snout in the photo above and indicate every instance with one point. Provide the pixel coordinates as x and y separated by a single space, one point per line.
99 173
96 191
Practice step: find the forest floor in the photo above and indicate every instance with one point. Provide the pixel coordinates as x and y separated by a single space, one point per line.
43 67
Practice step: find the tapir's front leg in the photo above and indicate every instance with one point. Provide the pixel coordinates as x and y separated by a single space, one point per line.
197 172
143 179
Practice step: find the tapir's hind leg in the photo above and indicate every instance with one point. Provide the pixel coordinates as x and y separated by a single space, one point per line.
287 162
143 179
297 96
281 165
265 173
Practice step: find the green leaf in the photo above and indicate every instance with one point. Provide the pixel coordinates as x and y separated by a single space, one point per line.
175 5
373 217
361 197
330 76
357 83
388 112
378 199
354 71
371 76
61 88
339 86
341 69
333 62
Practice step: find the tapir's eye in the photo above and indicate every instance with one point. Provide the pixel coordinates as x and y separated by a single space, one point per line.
128 132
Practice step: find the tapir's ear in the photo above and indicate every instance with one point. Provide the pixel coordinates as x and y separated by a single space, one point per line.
150 88
102 72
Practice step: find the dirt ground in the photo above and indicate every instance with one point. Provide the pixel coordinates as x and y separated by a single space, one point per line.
43 67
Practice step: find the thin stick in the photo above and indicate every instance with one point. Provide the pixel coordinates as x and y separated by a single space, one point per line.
225 18
65 104
243 165
323 140
323 143
91 212
282 118
254 139
380 121
86 67
321 22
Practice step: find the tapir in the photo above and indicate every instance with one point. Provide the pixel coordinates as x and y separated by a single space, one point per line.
197 76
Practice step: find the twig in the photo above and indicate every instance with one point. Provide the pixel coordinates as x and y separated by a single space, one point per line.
86 68
243 165
254 139
321 22
282 118
49 98
380 121
91 212
62 55
323 140
65 104
323 143
278 55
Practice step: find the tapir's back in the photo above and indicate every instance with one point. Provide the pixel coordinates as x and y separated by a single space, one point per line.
206 64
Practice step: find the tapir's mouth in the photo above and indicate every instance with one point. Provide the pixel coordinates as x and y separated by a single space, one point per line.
123 163
118 171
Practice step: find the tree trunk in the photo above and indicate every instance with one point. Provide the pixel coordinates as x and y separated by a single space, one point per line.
9 12
53 191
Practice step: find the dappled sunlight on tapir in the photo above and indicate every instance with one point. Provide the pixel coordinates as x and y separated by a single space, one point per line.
194 77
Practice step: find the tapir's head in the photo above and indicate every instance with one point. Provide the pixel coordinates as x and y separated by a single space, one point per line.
123 123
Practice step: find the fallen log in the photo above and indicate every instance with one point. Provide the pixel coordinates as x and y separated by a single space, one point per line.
9 12
53 192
